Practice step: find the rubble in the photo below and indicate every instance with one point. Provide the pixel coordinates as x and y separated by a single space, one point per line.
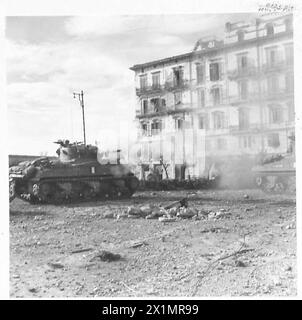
107 256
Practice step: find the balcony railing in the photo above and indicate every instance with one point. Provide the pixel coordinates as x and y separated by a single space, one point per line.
245 128
174 85
149 89
242 72
277 66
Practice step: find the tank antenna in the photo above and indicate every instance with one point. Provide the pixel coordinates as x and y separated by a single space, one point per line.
81 99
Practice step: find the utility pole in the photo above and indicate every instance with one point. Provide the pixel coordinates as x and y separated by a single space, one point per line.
81 99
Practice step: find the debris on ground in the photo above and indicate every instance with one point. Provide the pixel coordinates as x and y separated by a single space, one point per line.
107 256
81 250
55 265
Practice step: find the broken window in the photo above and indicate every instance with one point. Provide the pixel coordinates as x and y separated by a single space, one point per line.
214 71
273 140
143 81
155 80
273 84
199 73
215 92
244 120
243 89
177 76
156 104
269 29
145 106
276 115
201 98
177 98
218 120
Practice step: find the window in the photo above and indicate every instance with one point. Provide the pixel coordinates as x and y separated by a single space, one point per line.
288 24
275 114
177 98
289 54
177 76
215 92
291 111
155 102
273 140
269 29
273 84
218 120
144 129
246 142
214 71
202 122
244 121
271 57
156 127
200 98
145 106
243 89
242 62
240 35
143 81
155 80
179 123
289 82
199 73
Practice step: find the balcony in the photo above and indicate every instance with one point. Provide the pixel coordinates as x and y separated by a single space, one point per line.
178 108
251 128
176 85
149 89
239 73
277 66
151 112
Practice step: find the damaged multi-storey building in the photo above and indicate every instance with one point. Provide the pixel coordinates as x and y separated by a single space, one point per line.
223 103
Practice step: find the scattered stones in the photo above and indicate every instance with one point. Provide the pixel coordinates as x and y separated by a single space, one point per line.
33 290
109 215
106 256
239 263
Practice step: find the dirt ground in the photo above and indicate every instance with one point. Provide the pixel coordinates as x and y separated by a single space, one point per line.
251 252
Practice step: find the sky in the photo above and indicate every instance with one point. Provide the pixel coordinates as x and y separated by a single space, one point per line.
49 58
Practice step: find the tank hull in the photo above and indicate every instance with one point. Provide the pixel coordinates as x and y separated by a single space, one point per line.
45 181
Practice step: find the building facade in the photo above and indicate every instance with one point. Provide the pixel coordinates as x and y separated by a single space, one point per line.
229 98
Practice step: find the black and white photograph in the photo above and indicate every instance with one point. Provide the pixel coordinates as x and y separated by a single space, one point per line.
152 154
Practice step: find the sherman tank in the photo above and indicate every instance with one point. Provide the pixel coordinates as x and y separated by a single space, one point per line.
75 175
277 173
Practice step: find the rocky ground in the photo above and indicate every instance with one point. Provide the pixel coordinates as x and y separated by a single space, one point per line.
57 251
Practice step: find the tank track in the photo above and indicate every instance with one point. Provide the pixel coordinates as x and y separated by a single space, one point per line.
277 185
64 190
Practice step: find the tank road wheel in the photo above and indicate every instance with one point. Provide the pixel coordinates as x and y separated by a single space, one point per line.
12 190
291 185
259 181
280 185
